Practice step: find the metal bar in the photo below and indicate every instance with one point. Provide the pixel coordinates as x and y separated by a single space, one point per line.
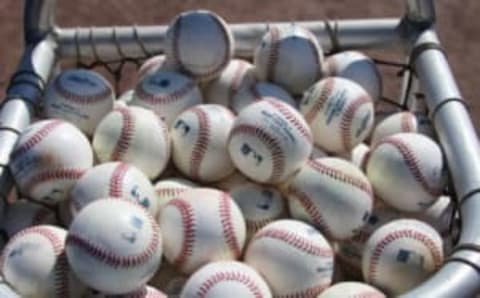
112 43
421 12
39 19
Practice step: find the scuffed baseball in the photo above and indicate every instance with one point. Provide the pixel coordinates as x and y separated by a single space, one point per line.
340 113
259 91
202 225
34 264
224 279
199 44
351 290
133 135
357 67
48 159
290 56
115 180
167 93
79 96
293 257
269 141
393 124
333 195
199 140
406 171
400 255
114 245
168 189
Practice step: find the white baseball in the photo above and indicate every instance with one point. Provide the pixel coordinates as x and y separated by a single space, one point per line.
393 124
126 97
23 214
256 92
400 255
318 153
167 93
133 135
269 141
115 180
259 204
150 66
143 292
357 67
168 189
237 75
35 265
114 245
359 155
351 290
406 171
289 56
199 140
234 180
199 44
224 279
333 195
80 96
200 226
6 291
340 113
293 257
48 159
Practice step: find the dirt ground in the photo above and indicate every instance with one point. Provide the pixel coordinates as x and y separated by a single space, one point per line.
458 24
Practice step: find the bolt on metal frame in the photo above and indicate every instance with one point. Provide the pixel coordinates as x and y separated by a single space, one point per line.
415 33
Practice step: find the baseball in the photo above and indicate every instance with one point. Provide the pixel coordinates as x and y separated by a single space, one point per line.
351 290
199 44
199 141
168 189
259 204
234 180
35 265
23 214
269 141
6 291
167 93
339 112
222 279
406 171
133 135
293 257
237 75
114 246
48 158
115 180
256 92
318 153
143 292
200 226
125 98
400 255
357 67
393 124
289 56
333 195
359 155
79 96
151 66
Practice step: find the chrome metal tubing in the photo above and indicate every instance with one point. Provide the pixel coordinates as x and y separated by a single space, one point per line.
38 19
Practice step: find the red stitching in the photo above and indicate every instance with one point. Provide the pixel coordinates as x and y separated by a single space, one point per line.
189 230
61 267
229 276
126 134
170 191
227 224
327 89
310 292
163 98
81 98
145 292
278 157
110 258
36 138
336 174
347 118
273 53
292 117
405 233
236 80
307 203
116 180
296 241
55 174
406 122
412 163
203 139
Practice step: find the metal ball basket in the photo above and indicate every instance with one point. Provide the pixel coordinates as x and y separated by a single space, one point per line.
426 69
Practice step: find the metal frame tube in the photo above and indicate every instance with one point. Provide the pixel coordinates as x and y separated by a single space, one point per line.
39 19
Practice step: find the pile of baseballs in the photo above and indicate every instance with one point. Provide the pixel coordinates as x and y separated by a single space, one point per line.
220 177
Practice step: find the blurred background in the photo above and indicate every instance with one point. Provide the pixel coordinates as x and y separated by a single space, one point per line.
458 25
